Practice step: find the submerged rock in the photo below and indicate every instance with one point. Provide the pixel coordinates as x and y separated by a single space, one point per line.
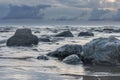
65 34
42 57
44 40
22 37
72 59
102 51
65 51
85 34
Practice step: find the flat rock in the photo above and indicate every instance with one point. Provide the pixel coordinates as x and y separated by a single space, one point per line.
86 34
65 34
44 40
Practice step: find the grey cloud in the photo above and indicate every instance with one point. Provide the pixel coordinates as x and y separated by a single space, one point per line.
60 9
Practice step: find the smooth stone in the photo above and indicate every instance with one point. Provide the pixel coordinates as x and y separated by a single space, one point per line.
72 59
86 34
65 34
44 40
42 57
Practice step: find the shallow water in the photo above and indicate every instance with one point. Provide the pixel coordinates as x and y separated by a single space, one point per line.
20 63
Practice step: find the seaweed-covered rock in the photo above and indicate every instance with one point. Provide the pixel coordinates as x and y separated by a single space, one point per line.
85 34
22 37
102 51
65 51
65 34
72 59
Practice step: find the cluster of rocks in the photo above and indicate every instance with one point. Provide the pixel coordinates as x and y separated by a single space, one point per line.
68 53
69 34
106 30
24 37
101 51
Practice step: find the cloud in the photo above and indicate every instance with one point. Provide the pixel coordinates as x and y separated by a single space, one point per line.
61 9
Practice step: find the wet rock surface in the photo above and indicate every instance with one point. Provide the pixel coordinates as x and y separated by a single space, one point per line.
65 51
86 34
42 57
44 39
22 37
72 59
64 34
102 51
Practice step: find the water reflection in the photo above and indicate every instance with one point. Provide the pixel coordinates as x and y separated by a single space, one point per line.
20 77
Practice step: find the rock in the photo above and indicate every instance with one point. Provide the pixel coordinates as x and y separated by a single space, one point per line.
2 41
44 40
65 51
107 30
111 30
42 57
65 34
22 37
85 34
102 51
72 59
37 32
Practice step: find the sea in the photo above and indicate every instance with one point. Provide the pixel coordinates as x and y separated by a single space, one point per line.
21 63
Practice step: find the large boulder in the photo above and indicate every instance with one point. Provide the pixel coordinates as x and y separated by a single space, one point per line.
85 34
65 51
102 51
22 37
65 34
72 59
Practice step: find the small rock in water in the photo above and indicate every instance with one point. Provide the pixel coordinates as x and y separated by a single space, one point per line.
65 51
72 59
23 37
85 34
65 34
37 32
42 57
44 40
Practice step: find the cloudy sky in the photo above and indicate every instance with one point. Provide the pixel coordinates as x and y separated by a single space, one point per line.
63 9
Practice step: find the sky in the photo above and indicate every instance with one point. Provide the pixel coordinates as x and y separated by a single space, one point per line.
65 9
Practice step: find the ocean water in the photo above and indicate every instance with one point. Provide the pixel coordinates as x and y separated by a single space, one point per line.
20 63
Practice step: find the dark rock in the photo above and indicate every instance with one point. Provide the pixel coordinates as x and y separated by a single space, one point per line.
22 37
65 51
107 30
85 34
3 41
44 40
65 34
102 51
37 32
42 57
111 30
72 59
